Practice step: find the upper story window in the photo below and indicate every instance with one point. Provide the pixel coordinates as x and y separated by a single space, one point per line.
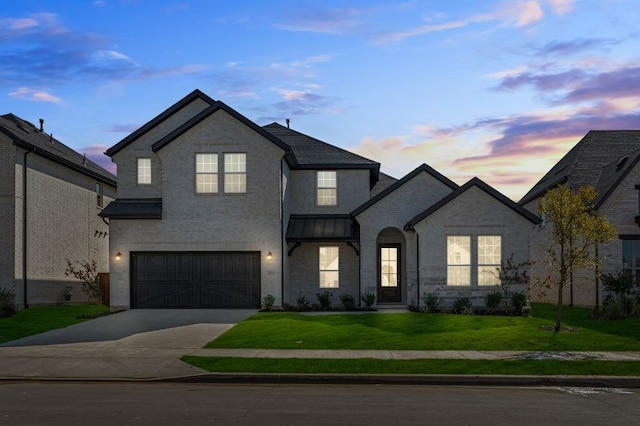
235 172
458 260
327 188
206 173
144 171
99 194
489 259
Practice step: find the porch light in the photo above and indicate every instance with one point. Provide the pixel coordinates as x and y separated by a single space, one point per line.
118 256
269 256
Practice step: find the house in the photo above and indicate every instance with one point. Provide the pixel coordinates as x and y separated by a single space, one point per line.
214 211
50 197
608 161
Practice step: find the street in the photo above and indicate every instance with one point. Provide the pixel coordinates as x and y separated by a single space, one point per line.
128 403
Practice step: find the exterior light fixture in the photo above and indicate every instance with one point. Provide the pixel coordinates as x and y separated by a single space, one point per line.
118 256
269 256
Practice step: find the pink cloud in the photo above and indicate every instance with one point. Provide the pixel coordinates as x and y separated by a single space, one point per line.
34 95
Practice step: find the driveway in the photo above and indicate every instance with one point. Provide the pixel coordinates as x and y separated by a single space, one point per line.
128 323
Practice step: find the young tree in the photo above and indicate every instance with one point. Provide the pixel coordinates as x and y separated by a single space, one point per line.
575 233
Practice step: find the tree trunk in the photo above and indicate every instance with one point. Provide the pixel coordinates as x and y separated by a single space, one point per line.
563 275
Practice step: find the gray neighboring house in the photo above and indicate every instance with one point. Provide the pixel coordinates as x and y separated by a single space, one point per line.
50 197
214 211
608 161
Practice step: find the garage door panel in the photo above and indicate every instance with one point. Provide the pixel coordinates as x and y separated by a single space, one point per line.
195 280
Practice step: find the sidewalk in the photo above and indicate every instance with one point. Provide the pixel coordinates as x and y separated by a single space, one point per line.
156 355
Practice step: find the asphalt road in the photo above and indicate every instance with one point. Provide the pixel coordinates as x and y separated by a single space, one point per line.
109 403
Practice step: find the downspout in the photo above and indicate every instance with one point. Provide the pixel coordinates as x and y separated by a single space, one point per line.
24 227
283 243
417 270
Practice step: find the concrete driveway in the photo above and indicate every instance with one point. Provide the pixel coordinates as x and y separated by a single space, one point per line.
128 323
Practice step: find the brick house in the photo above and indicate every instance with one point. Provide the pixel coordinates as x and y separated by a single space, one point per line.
50 197
608 161
214 211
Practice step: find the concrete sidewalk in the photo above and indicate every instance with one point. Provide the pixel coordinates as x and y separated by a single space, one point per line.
155 355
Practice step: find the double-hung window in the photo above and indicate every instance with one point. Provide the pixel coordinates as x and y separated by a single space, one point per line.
329 267
489 259
327 188
206 173
631 259
458 260
99 194
144 171
235 173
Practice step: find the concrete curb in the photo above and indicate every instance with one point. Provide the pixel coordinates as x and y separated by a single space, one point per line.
421 379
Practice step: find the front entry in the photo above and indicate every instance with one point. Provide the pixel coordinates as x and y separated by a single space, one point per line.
389 273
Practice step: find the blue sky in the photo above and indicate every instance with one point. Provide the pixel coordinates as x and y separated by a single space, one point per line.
489 88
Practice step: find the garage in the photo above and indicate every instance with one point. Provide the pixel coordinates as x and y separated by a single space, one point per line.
195 280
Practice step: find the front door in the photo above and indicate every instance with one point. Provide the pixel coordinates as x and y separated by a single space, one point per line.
389 273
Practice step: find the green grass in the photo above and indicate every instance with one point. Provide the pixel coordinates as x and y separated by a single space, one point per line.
40 319
419 331
419 366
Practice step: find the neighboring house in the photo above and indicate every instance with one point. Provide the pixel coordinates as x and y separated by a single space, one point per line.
608 161
50 197
214 211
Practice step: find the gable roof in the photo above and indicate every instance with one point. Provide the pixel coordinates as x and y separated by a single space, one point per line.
597 160
475 182
217 106
420 169
196 94
27 136
312 153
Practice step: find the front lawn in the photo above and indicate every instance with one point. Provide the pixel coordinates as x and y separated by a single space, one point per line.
419 331
36 320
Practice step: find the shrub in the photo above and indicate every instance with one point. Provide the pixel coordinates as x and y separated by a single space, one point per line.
324 299
519 303
431 302
303 303
87 272
493 299
348 302
7 302
462 305
619 302
369 298
268 302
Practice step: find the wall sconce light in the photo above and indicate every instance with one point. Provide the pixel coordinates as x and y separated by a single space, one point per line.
269 256
118 256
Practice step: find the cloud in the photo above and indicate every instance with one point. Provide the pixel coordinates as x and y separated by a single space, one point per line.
327 21
561 7
95 153
526 13
563 48
34 95
38 50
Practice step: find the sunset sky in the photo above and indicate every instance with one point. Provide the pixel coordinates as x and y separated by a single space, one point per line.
496 89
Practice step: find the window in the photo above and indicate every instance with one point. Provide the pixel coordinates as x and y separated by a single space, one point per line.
206 173
458 260
329 267
489 259
389 266
99 194
144 171
327 189
235 173
631 259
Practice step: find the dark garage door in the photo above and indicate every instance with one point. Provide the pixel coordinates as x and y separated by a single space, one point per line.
195 280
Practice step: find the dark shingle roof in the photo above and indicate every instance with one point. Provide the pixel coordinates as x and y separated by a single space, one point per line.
389 189
384 181
29 137
313 153
586 162
484 187
303 228
133 208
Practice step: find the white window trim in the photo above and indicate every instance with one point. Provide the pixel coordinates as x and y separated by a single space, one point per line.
139 169
329 269
493 266
234 173
215 174
452 264
319 188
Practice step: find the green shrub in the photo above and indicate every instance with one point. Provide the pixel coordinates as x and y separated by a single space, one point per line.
462 305
303 303
7 302
519 303
369 298
268 302
348 302
431 302
619 303
493 299
324 299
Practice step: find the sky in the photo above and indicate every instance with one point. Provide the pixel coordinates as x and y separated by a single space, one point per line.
495 89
